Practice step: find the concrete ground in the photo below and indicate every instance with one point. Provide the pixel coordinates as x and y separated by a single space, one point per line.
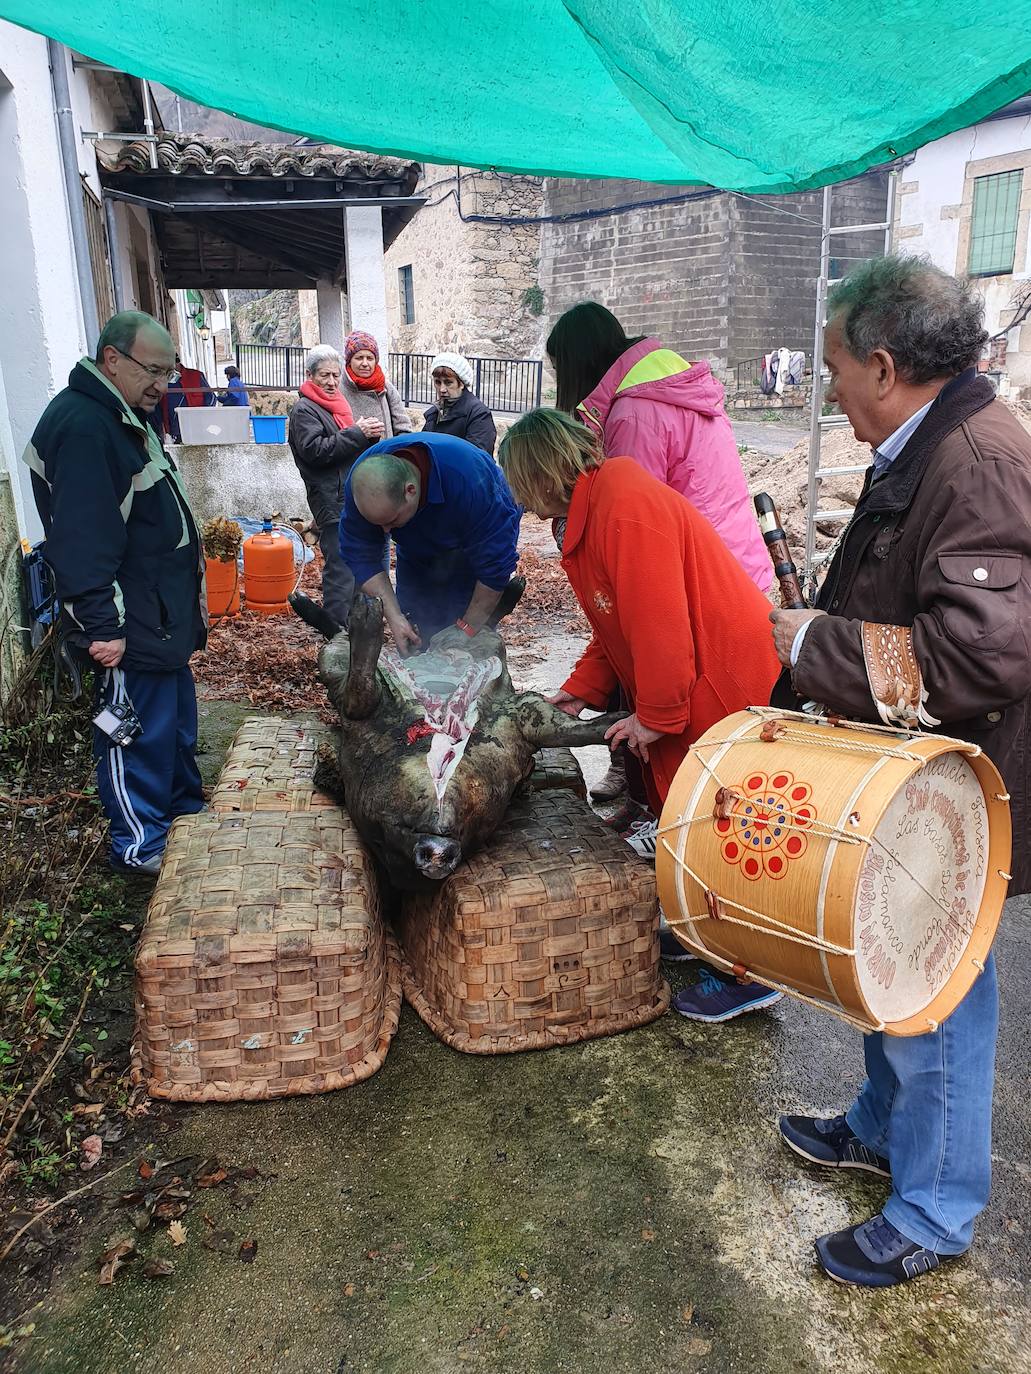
770 436
612 1207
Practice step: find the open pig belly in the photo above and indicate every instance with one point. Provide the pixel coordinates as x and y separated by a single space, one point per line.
447 688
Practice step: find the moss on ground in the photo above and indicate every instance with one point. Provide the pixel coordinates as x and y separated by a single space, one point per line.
453 1212
616 1206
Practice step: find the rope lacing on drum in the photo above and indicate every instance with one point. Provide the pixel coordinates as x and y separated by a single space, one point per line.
839 723
782 931
822 829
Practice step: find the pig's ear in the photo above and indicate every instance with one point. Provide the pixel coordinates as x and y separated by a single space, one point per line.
546 727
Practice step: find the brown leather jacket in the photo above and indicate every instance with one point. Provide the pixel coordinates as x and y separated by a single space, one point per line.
955 502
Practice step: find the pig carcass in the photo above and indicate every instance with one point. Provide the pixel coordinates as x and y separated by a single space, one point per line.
432 747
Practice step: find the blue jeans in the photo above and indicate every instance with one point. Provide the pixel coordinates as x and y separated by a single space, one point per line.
927 1106
143 786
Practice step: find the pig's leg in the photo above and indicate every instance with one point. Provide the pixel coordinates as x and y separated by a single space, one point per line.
546 727
509 600
314 615
365 632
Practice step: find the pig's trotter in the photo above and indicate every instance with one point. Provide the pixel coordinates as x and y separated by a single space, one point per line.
510 598
314 615
546 727
365 632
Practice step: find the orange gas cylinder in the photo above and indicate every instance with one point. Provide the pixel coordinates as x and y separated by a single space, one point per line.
268 570
223 583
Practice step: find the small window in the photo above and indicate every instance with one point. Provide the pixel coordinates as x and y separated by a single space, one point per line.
407 294
100 258
993 227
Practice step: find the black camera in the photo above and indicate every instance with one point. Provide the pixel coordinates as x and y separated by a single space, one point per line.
119 722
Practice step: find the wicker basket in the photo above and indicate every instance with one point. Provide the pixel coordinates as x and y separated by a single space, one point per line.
557 768
264 969
548 936
270 767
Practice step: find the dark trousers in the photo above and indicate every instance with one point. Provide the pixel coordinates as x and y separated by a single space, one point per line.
326 499
143 786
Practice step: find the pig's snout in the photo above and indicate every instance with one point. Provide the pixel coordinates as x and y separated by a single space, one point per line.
436 856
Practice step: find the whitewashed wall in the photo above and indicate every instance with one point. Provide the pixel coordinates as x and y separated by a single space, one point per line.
934 212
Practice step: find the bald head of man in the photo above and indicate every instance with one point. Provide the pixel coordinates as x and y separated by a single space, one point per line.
387 488
137 355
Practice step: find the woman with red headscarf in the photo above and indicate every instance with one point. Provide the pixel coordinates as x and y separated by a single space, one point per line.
365 387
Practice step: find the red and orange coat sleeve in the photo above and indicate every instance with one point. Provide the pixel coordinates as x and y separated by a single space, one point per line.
651 631
593 679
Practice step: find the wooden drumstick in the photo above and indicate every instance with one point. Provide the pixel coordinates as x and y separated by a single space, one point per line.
777 543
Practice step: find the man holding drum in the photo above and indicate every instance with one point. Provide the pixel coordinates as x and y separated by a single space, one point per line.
924 620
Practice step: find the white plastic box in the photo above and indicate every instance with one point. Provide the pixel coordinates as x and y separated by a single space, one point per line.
215 424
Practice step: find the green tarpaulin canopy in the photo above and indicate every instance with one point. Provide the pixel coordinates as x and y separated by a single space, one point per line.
742 94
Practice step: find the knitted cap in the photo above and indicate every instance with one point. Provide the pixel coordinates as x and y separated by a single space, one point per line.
458 365
358 341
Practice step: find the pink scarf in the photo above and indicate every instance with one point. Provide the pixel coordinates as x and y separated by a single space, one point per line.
336 405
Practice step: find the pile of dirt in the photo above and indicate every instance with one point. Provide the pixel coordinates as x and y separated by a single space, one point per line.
1022 410
785 477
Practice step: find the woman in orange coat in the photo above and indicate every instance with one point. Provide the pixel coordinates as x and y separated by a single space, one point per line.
676 621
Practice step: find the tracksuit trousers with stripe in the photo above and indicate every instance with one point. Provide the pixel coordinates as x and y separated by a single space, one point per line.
143 786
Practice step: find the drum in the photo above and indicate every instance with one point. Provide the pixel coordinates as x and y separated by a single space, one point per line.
858 867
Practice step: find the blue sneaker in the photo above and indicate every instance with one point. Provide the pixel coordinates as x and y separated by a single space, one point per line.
718 998
874 1255
832 1143
671 951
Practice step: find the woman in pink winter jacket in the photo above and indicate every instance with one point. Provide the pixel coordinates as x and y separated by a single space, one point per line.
649 404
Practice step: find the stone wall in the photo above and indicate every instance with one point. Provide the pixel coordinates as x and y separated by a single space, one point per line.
718 276
473 284
265 317
241 479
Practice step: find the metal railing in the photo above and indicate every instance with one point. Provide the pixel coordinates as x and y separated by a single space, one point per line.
748 373
504 384
271 366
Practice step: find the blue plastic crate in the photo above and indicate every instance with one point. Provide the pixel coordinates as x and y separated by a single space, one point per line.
269 429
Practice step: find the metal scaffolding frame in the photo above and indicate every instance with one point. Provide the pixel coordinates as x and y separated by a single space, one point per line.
818 421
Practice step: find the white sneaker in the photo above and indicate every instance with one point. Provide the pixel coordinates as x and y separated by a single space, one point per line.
641 837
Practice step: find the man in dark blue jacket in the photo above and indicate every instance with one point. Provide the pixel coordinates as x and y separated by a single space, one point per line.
456 526
126 558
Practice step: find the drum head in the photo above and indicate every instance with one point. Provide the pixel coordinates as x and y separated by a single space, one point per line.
920 888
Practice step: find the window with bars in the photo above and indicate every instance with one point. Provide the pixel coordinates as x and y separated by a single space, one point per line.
407 294
100 263
993 225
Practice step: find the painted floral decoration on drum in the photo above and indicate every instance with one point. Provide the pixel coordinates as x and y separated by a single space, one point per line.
764 833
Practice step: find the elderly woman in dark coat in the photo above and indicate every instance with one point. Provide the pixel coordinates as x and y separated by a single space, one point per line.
459 411
325 439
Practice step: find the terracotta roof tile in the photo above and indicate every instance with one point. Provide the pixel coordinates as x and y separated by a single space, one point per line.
188 155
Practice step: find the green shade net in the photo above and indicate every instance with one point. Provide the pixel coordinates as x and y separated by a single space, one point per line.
738 94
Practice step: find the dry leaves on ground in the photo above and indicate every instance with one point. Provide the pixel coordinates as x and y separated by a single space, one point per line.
158 1269
91 1149
114 1259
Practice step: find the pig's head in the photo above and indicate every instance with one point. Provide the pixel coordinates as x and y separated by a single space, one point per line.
429 824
